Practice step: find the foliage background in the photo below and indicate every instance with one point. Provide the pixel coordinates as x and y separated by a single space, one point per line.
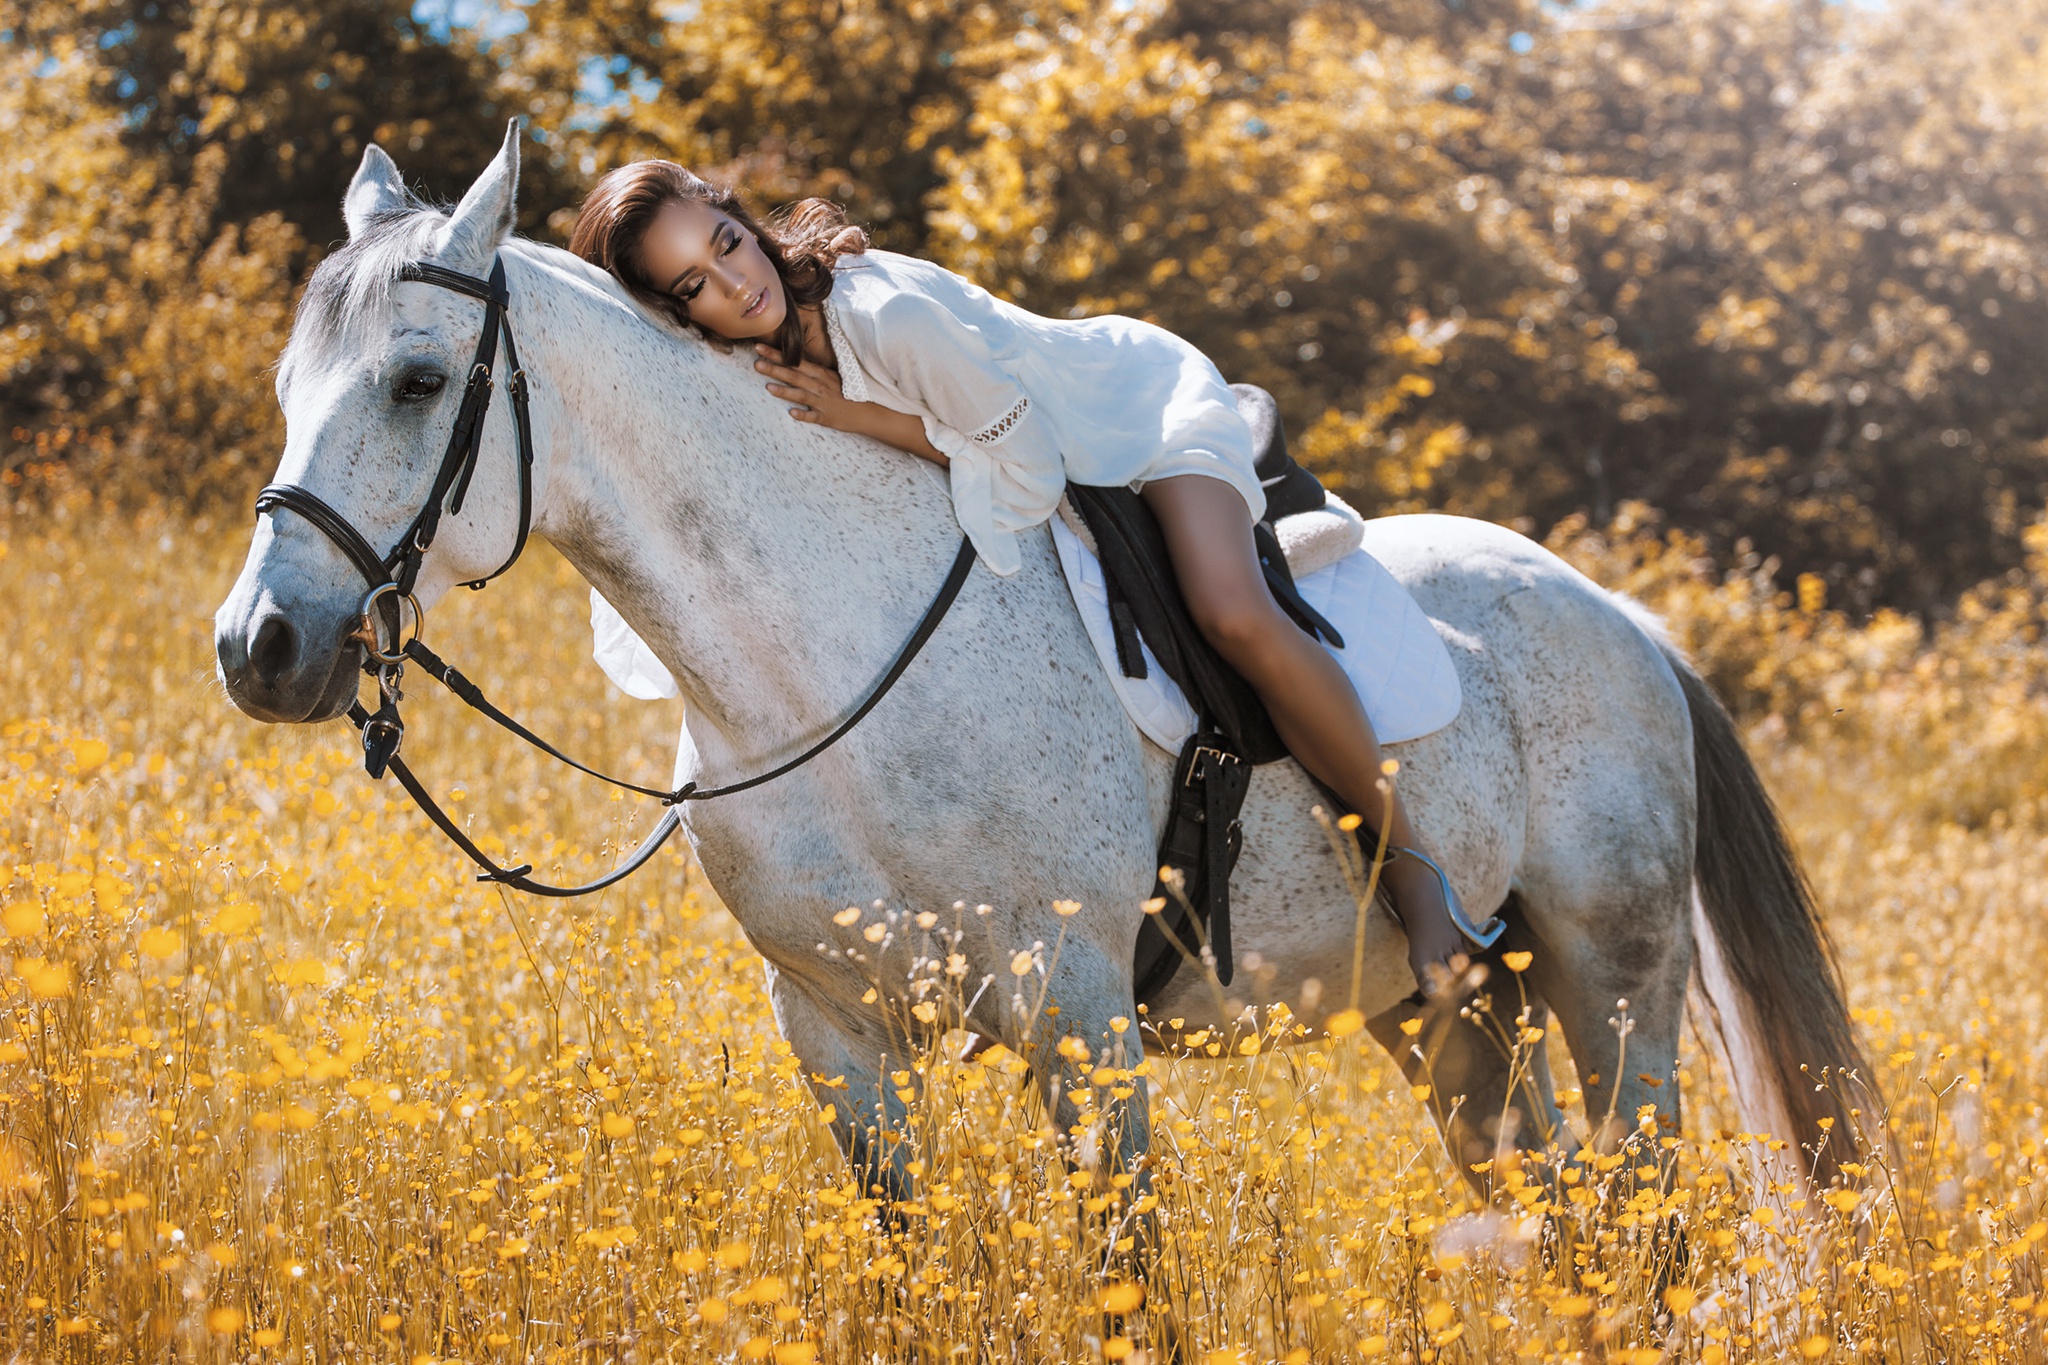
1771 267
1737 303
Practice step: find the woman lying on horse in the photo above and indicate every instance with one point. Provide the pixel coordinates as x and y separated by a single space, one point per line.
1015 406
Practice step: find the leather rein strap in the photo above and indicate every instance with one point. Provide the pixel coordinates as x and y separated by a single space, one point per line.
392 578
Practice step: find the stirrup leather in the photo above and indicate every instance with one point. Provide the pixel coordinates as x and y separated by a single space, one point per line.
1480 936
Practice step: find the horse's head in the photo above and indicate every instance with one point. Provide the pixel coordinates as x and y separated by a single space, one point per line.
370 385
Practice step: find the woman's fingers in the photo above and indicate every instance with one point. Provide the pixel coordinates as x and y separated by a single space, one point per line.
811 380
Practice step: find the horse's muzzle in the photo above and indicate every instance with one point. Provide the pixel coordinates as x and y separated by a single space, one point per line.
274 672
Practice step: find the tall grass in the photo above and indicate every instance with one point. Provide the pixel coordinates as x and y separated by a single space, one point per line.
278 1080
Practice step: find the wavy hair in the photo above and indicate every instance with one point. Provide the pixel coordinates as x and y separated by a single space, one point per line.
802 241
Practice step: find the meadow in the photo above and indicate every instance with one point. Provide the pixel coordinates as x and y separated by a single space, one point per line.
280 1081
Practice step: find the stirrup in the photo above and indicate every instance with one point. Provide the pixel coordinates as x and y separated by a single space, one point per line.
1480 936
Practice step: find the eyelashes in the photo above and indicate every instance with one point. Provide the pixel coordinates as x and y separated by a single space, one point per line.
727 242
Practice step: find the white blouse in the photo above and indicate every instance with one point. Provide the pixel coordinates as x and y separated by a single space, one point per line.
1020 404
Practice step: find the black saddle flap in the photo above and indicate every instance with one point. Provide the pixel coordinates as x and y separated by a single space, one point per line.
1141 583
1290 489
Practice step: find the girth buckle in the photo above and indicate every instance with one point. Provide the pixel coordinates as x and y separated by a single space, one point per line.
1207 760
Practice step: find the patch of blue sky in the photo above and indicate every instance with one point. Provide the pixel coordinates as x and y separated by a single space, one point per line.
608 86
489 19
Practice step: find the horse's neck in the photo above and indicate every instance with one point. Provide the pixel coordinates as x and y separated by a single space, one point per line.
771 566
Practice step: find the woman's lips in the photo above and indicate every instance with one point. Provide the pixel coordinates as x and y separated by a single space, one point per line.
760 302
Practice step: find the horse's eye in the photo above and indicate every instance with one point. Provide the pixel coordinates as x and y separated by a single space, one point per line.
418 387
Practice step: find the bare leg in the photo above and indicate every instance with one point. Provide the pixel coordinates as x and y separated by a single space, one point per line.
1313 704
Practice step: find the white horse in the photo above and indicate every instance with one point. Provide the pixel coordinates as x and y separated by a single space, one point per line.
1592 788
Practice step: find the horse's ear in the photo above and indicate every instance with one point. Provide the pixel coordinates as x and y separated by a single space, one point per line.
483 219
377 189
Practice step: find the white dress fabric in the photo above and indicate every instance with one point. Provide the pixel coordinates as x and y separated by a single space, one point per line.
1020 404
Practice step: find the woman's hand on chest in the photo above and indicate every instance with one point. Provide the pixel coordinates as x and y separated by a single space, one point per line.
815 397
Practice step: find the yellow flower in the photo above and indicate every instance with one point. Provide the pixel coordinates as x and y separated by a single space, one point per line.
224 1322
1020 965
160 943
1344 1023
1517 962
22 919
46 980
233 919
616 1125
1125 1296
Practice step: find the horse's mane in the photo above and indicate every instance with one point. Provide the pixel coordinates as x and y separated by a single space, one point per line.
348 300
347 304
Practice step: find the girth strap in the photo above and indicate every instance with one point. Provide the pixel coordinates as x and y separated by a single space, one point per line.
1198 850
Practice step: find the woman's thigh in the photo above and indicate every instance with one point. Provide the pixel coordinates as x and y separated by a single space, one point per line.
1208 532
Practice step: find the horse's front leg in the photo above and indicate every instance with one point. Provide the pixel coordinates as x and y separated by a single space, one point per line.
852 1057
1088 1058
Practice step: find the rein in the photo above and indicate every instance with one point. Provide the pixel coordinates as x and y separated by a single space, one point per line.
392 578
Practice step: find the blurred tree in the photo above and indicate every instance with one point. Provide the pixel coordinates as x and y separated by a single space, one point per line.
1282 195
1772 266
179 164
289 93
122 304
1820 227
854 99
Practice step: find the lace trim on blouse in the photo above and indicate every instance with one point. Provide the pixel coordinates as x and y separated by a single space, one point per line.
852 381
995 431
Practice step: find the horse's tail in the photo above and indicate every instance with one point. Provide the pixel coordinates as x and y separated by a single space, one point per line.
1765 968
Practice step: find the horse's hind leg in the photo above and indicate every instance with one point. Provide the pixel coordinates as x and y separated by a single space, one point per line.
1615 968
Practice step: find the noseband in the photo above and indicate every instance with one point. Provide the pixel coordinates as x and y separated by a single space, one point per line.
393 576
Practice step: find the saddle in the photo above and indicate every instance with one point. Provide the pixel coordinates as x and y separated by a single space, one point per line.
1203 837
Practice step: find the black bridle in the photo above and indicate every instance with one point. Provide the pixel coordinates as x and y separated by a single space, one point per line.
393 576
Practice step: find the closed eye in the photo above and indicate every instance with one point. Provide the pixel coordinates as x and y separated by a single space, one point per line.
418 386
727 242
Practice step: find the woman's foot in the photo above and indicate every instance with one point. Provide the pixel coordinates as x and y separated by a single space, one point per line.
1417 895
1436 924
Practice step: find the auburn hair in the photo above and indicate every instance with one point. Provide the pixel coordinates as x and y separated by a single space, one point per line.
801 242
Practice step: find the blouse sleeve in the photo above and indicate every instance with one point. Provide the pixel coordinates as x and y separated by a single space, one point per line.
1003 459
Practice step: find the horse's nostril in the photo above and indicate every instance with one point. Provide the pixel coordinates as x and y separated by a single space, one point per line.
274 650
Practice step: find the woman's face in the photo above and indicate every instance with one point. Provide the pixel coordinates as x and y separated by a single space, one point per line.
716 268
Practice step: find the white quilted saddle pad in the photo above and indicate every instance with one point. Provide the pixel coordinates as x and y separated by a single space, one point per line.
1392 653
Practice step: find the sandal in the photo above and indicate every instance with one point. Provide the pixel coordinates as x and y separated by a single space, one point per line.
1480 936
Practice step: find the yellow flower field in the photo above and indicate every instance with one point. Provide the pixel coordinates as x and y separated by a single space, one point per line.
280 1081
